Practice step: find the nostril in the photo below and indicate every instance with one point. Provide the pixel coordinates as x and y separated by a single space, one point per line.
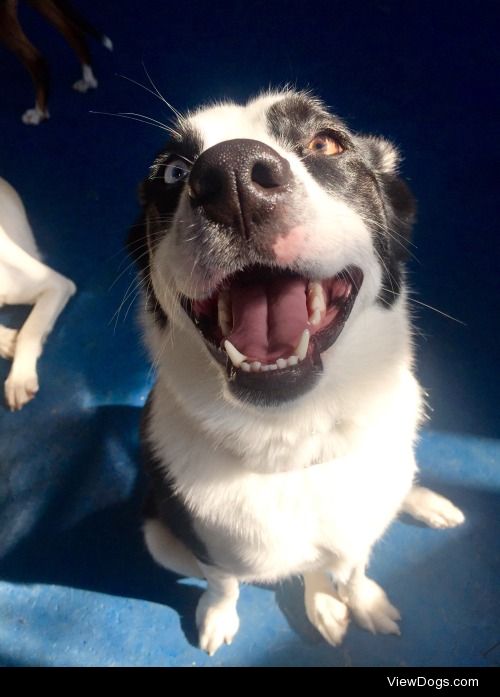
267 175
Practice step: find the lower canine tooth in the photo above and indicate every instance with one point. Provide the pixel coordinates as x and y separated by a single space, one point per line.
236 357
245 367
303 345
293 360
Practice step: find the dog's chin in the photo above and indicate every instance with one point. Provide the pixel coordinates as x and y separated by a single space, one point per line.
269 327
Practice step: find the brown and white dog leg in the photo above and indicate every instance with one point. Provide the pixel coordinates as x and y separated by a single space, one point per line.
64 22
14 38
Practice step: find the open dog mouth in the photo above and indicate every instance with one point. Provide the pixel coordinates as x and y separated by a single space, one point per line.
270 326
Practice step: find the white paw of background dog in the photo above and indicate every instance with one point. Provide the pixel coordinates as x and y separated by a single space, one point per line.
432 509
20 388
85 84
7 342
217 623
329 615
32 117
372 610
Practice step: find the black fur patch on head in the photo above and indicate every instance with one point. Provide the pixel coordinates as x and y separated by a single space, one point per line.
159 203
297 118
363 176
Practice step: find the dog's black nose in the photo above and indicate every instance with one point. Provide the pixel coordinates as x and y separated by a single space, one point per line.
239 182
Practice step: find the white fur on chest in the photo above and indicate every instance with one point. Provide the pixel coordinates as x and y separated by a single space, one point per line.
345 458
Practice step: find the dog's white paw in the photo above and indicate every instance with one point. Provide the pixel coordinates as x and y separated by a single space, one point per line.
32 117
20 388
432 509
85 84
7 342
329 615
372 610
217 623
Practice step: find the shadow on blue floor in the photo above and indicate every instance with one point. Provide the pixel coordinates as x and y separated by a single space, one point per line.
443 581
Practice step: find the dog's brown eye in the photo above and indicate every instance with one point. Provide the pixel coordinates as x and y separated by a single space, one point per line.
325 145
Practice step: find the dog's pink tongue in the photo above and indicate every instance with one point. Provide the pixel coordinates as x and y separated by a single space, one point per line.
269 317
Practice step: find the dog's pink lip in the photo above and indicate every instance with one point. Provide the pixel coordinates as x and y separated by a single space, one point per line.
288 247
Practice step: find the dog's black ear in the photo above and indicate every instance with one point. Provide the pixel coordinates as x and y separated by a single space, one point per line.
402 210
383 158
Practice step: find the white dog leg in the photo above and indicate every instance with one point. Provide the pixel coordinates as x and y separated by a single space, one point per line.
324 608
369 604
216 615
432 509
88 80
32 117
22 382
7 342
168 551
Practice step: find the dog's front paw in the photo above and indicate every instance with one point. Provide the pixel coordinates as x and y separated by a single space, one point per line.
32 117
20 388
372 610
217 623
7 342
328 614
432 509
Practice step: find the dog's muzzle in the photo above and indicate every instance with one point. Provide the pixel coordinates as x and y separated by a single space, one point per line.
267 322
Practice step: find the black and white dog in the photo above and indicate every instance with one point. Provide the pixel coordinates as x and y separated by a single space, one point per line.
279 437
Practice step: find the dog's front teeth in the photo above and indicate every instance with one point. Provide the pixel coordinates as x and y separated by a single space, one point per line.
236 357
303 345
241 361
224 312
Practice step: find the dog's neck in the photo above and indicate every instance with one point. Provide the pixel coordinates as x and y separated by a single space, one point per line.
324 424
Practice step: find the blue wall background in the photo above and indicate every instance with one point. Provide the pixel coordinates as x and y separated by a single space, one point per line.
423 74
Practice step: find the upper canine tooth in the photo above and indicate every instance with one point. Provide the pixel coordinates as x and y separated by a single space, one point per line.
318 303
315 287
303 345
315 318
236 357
316 296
